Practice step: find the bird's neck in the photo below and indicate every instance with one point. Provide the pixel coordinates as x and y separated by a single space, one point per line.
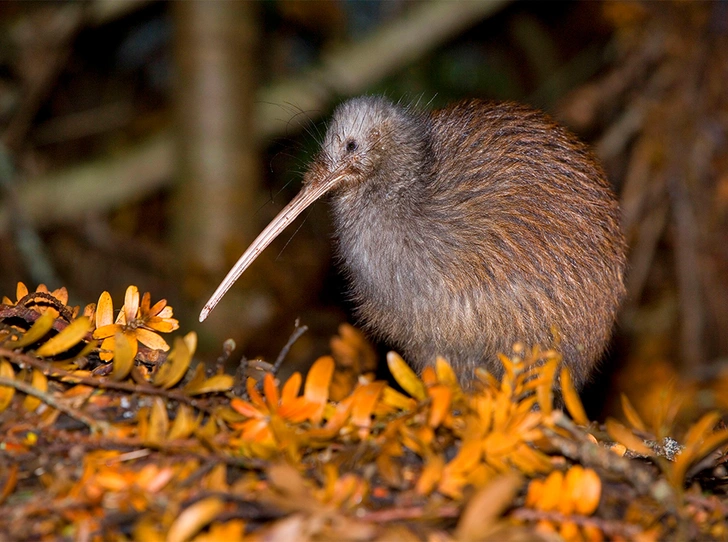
379 225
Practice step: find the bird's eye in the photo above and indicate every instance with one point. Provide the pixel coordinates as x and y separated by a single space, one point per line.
351 145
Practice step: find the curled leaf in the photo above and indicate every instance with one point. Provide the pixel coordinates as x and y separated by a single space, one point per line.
175 366
158 423
124 353
624 436
485 507
441 396
37 331
631 414
104 310
405 376
6 392
39 382
194 518
213 384
445 373
587 500
68 338
571 399
318 380
184 424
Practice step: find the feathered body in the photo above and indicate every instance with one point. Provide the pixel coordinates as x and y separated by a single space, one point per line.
470 228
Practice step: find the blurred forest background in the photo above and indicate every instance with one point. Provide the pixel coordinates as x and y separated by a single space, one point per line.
148 143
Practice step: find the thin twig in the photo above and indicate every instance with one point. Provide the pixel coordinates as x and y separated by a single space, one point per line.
610 528
145 389
297 332
172 448
587 453
96 427
413 512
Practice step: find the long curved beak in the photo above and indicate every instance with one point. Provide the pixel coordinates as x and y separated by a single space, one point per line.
308 194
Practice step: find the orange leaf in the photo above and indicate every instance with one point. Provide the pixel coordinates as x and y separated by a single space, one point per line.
37 331
694 440
107 331
431 474
184 424
69 337
631 414
151 339
509 366
318 380
39 382
298 410
428 376
552 491
6 392
590 493
175 366
571 399
545 388
405 376
624 436
393 398
198 377
698 430
131 303
251 385
441 396
194 518
21 291
469 455
445 373
485 507
365 398
125 351
291 388
104 311
341 413
711 443
216 383
164 325
244 408
10 483
534 493
158 423
270 390
572 489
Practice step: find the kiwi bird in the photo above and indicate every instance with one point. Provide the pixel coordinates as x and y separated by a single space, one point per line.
465 230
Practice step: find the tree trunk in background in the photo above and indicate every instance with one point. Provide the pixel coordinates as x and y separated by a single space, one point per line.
218 175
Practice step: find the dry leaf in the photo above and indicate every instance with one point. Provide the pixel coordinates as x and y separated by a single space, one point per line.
486 506
68 338
405 376
571 399
39 382
6 392
624 436
37 331
193 518
124 355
